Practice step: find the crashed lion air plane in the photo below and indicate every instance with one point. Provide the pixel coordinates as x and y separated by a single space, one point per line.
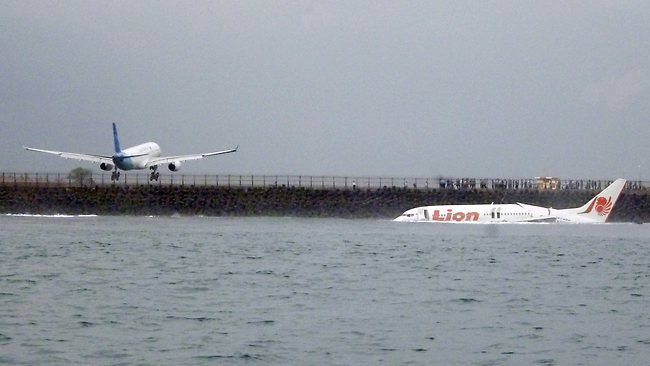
595 211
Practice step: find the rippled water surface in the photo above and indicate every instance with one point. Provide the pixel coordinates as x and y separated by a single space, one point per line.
284 291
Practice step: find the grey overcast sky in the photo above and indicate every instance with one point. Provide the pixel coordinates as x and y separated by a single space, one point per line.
356 88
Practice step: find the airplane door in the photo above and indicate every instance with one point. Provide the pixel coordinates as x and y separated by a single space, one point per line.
496 212
426 215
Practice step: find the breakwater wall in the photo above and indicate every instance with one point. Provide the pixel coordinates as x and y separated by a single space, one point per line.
286 201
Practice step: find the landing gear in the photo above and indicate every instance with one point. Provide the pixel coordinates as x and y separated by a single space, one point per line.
115 175
154 174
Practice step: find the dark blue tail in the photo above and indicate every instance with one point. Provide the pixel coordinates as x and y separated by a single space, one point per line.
116 140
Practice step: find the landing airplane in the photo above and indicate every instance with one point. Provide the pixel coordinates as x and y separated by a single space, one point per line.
595 211
141 156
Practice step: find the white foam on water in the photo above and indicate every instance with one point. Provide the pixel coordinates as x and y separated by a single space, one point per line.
48 216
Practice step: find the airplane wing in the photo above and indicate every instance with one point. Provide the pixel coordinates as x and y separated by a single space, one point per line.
171 159
75 156
546 217
541 219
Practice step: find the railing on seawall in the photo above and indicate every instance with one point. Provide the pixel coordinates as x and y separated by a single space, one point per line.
302 181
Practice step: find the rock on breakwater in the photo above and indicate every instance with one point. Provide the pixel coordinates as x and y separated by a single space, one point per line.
285 201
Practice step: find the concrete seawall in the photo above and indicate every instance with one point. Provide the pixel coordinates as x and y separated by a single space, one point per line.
285 201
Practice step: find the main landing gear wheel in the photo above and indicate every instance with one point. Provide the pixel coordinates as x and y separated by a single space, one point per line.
115 176
154 174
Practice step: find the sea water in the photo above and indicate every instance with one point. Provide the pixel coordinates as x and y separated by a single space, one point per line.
289 291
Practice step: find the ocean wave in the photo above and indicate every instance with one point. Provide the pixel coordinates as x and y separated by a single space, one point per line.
48 216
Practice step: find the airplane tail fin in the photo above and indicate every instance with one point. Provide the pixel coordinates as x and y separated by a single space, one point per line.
116 140
599 207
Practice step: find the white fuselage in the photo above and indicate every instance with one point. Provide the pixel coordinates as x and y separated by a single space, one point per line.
136 157
494 213
475 213
595 210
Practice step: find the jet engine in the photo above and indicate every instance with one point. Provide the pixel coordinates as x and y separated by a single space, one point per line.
106 166
175 166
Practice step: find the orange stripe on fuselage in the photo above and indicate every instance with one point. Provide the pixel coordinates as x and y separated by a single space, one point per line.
591 206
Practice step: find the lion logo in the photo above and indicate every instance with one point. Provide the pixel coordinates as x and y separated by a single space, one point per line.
603 205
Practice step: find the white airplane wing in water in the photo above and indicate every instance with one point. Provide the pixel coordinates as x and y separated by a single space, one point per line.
177 159
76 156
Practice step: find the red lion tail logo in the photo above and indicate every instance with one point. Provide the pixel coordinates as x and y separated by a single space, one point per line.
603 205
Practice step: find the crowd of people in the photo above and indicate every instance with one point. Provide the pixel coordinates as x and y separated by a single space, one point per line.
537 183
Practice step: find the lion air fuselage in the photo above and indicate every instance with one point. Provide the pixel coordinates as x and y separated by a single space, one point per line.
595 210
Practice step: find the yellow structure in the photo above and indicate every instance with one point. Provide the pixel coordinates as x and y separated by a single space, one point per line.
544 183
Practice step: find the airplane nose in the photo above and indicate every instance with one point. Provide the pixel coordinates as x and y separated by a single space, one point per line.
401 218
